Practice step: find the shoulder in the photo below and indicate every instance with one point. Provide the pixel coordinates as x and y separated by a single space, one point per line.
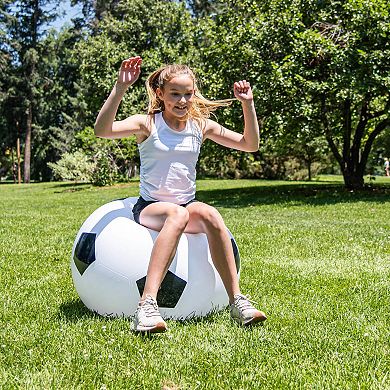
140 125
146 123
139 121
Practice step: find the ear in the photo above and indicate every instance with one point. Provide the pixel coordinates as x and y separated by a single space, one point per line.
159 93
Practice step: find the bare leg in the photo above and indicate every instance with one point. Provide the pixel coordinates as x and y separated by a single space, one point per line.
206 219
170 220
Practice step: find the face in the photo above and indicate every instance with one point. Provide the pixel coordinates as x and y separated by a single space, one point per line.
177 95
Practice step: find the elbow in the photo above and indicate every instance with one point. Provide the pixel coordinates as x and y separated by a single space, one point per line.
97 130
252 148
251 144
100 131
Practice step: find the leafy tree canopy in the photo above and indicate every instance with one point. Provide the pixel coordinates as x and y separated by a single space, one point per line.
318 66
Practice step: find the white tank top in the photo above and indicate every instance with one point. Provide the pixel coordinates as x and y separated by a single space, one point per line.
168 162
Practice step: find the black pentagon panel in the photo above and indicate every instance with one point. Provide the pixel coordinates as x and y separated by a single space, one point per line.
236 254
171 289
84 253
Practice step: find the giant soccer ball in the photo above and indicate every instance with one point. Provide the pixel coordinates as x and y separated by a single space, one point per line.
110 258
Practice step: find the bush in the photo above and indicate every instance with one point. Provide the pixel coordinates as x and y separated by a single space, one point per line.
105 172
295 170
74 166
114 160
224 163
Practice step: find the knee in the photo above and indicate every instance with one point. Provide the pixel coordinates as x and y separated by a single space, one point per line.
211 219
178 218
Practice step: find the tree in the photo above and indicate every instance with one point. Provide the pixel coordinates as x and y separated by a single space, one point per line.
7 134
24 31
40 80
60 109
94 11
347 78
339 68
324 63
204 8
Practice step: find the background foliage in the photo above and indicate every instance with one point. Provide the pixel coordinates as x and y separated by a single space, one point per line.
320 71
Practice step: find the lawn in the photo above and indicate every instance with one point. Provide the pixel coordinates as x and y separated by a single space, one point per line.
314 256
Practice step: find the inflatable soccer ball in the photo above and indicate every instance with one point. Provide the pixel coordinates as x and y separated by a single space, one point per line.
110 258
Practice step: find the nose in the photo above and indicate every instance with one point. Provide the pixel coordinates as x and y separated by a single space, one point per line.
183 100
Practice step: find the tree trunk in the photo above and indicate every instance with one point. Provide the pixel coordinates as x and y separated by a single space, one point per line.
27 146
353 180
308 163
18 157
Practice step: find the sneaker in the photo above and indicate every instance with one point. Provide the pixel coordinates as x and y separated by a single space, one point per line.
242 311
148 318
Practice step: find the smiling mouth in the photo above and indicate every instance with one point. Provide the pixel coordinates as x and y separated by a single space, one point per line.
181 108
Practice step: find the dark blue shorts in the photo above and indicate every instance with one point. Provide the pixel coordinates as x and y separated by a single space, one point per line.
142 203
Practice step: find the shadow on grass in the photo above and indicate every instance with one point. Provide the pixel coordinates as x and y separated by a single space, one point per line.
71 187
75 310
311 194
208 318
215 317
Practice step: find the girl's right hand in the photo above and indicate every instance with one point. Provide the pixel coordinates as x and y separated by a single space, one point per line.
129 71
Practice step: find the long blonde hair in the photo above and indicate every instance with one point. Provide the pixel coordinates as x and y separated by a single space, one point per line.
201 107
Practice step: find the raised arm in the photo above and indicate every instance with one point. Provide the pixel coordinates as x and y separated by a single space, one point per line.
105 125
249 140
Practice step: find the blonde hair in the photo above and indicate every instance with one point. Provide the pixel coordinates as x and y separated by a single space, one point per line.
201 107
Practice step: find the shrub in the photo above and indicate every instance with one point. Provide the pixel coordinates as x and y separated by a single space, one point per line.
105 172
115 160
74 166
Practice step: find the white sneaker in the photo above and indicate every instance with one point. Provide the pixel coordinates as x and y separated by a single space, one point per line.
147 317
242 311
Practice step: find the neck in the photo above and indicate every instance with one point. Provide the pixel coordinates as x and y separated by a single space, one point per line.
174 122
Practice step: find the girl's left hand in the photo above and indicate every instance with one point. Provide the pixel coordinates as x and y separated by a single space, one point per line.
243 91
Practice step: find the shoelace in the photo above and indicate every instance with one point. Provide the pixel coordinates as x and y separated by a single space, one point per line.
150 307
242 302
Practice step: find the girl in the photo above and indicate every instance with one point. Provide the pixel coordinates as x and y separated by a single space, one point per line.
169 138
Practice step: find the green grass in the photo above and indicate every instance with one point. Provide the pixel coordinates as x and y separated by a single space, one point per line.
315 257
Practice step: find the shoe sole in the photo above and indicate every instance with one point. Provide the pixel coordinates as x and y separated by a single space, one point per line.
158 328
260 318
